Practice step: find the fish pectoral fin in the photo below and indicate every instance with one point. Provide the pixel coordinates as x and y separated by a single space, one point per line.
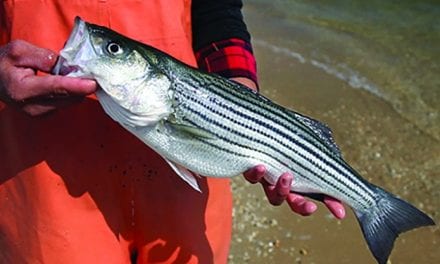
121 114
190 131
187 175
321 130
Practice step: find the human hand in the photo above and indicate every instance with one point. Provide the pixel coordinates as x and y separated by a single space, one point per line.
276 194
279 192
22 87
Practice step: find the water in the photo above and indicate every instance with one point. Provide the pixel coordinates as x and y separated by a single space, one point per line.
389 48
338 70
370 70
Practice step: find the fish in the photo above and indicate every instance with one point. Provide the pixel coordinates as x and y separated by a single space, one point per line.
204 124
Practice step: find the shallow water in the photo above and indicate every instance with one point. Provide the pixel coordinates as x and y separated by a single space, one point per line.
339 66
390 48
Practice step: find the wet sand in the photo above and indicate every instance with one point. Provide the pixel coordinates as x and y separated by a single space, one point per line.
384 147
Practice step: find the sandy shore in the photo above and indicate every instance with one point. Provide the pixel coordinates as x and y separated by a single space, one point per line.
374 139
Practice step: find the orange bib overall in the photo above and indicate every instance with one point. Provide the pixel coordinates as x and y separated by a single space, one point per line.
75 187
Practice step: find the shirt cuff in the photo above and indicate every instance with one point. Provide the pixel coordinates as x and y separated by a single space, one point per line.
228 58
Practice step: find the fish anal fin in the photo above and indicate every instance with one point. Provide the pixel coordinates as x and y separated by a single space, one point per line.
186 175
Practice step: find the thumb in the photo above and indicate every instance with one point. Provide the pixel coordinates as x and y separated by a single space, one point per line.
56 84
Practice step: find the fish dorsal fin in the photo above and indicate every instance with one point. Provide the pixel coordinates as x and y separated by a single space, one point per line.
187 175
321 130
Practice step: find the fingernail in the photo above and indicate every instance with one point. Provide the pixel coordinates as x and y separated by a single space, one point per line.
340 213
311 207
286 182
89 82
89 85
261 169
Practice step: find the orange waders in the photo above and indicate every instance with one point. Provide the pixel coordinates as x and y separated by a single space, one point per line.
77 188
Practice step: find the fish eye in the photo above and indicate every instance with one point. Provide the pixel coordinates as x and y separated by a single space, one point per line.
114 48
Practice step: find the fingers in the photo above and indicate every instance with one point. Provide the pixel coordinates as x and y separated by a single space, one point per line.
305 207
276 194
56 85
19 84
44 94
23 86
25 58
24 54
335 207
279 192
301 205
255 174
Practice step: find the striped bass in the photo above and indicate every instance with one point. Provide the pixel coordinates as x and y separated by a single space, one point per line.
203 124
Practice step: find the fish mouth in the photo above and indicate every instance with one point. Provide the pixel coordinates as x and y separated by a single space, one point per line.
61 68
65 64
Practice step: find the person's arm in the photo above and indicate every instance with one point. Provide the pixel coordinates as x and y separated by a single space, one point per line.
222 42
20 85
222 45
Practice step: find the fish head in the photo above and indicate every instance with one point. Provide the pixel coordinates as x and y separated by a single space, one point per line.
98 53
122 67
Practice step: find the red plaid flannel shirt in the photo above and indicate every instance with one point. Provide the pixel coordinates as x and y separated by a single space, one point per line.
228 58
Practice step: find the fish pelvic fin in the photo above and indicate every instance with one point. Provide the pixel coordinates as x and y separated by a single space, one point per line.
383 224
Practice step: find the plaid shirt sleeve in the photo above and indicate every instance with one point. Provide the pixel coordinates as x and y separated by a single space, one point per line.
228 58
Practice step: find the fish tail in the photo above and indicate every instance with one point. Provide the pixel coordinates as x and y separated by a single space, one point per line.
383 224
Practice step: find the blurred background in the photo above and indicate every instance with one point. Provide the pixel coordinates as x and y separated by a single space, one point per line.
371 71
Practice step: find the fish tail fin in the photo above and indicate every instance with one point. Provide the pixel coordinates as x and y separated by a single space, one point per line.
383 224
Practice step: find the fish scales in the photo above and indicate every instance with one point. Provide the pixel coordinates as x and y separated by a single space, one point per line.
274 113
207 125
278 139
